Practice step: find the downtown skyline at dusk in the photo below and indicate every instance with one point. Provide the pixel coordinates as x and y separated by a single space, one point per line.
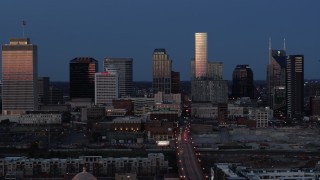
238 32
160 90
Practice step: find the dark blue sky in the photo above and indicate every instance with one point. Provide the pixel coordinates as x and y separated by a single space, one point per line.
238 32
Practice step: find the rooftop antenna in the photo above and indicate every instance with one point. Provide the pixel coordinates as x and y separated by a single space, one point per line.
269 50
24 23
269 43
284 44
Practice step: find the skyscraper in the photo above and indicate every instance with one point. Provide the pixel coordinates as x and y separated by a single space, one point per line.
213 91
201 55
124 65
82 71
295 87
214 70
107 86
55 95
206 78
19 77
162 66
276 76
43 89
242 82
175 82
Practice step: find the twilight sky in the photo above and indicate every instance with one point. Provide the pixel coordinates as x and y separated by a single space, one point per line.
238 32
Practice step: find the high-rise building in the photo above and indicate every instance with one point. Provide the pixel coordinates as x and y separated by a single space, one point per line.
192 69
162 66
213 91
201 55
175 82
19 77
107 86
43 89
315 105
82 71
214 70
295 87
276 78
242 82
55 95
206 78
125 74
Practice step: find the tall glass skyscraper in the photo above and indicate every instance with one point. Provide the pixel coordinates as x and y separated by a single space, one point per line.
242 82
276 78
295 87
214 70
124 66
19 77
201 55
82 72
162 67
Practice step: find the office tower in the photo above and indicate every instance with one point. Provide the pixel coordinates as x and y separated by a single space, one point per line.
276 76
125 74
242 82
82 70
162 66
55 95
175 82
107 86
314 89
19 77
193 69
43 89
214 91
294 87
214 70
315 105
206 83
201 55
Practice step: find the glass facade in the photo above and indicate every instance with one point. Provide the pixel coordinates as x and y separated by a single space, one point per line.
295 87
82 72
242 82
162 66
201 55
124 65
19 76
276 76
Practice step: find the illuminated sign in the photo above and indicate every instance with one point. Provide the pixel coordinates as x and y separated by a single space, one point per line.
162 143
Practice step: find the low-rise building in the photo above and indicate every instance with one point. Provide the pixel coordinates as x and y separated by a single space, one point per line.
224 171
158 130
153 165
92 114
142 105
37 118
164 114
262 116
127 124
125 104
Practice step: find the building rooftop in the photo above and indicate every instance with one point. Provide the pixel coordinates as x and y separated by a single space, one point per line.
83 60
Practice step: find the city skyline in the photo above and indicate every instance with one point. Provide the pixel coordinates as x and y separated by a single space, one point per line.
239 36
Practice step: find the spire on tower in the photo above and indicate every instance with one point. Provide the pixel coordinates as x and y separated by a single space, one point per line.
284 44
24 23
269 43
